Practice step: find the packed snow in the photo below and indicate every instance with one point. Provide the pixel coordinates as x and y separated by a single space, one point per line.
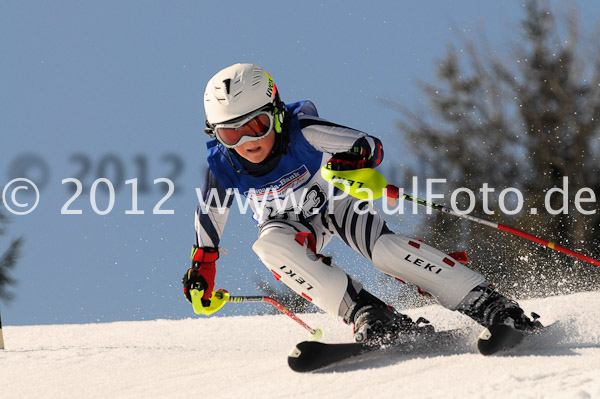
246 357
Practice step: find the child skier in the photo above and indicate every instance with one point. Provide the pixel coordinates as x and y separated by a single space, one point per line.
272 153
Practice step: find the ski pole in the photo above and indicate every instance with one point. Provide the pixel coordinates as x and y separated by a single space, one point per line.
220 297
370 184
315 332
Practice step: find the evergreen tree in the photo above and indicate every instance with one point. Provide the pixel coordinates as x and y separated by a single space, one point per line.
8 261
524 120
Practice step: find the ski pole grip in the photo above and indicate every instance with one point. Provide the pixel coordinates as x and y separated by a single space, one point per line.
217 301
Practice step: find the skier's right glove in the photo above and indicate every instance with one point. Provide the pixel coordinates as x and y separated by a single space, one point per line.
201 276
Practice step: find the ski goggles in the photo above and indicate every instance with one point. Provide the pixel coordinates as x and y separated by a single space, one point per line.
251 127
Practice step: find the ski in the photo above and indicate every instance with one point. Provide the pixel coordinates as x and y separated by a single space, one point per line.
498 338
501 337
310 356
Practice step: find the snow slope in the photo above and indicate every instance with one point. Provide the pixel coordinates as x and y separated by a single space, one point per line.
245 357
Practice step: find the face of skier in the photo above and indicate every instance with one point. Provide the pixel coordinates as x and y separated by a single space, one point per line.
258 150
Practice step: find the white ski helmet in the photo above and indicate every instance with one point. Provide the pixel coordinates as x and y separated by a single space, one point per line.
238 90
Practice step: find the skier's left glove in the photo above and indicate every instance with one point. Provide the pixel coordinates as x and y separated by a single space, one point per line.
355 158
201 275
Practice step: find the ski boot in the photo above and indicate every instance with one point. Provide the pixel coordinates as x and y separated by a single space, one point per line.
506 323
374 322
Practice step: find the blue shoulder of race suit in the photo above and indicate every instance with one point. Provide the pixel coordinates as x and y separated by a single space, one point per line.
306 107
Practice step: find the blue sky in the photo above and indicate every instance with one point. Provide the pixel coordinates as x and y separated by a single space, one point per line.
115 88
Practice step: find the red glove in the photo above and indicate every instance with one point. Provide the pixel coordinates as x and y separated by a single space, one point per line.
201 275
358 157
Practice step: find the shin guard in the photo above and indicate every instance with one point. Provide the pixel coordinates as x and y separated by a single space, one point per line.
434 272
302 270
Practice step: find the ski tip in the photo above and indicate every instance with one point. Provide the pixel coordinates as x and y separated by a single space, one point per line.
497 338
301 358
